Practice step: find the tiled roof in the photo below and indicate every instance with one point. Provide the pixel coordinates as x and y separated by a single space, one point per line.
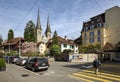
78 40
13 41
109 47
94 20
65 41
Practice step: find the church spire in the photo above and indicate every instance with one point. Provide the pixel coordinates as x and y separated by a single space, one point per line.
48 30
38 26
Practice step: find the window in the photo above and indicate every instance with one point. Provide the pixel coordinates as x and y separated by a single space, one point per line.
85 35
92 33
65 45
99 25
86 28
91 27
98 32
91 40
99 39
85 40
72 46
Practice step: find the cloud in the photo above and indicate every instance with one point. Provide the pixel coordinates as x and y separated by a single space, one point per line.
65 16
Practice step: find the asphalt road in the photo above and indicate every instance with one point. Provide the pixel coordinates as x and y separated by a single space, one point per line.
58 72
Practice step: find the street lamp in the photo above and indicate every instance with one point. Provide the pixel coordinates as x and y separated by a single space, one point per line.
19 47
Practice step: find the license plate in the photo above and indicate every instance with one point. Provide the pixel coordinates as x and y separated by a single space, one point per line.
43 63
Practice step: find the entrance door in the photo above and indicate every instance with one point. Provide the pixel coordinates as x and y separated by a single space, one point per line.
107 57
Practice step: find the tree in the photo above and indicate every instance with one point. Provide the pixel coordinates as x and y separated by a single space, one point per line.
55 50
10 34
29 33
83 49
55 38
0 42
90 49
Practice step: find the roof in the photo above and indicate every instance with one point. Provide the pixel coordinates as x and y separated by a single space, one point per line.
13 41
78 40
65 41
38 26
94 20
109 47
48 26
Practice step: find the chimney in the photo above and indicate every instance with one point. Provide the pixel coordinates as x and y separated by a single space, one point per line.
65 37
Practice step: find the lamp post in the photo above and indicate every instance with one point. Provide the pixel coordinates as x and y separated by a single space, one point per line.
19 47
9 47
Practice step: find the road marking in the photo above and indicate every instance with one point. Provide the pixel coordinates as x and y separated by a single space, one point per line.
90 77
113 75
86 80
48 72
102 76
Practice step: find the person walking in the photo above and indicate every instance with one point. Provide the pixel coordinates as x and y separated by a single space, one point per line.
96 65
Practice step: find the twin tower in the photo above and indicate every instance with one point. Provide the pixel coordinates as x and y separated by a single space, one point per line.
39 30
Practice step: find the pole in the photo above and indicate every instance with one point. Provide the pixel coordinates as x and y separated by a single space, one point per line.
9 47
19 47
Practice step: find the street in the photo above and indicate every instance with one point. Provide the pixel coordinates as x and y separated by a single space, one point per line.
61 72
56 73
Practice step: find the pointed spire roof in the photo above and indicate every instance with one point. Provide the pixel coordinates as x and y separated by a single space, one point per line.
48 26
38 26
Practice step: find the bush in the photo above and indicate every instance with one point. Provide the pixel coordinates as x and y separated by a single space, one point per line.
55 50
2 65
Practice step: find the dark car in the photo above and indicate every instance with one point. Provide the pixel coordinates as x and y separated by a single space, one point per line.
37 64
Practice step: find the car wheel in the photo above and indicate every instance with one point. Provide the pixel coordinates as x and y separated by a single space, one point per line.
33 69
26 67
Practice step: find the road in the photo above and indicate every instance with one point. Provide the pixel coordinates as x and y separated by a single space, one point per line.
58 72
62 72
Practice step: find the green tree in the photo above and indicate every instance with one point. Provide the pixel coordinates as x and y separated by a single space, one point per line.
90 49
10 34
55 38
0 42
83 49
29 33
55 50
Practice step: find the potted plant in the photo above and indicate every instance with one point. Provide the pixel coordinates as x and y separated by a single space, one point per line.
2 65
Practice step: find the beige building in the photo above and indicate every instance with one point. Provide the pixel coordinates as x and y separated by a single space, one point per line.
103 29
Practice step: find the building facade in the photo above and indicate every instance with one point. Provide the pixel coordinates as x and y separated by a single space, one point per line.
102 28
67 44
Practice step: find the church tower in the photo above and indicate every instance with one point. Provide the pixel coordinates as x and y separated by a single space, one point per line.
38 29
48 30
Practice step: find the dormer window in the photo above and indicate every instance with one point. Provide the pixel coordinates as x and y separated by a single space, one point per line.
86 28
99 24
98 20
91 27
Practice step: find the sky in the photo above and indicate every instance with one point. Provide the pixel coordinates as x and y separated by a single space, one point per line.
66 16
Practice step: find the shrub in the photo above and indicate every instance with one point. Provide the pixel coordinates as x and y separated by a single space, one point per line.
2 63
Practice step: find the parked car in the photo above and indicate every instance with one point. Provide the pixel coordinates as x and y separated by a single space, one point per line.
12 59
21 61
37 64
116 59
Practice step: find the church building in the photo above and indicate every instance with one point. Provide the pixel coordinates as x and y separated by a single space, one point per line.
42 39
